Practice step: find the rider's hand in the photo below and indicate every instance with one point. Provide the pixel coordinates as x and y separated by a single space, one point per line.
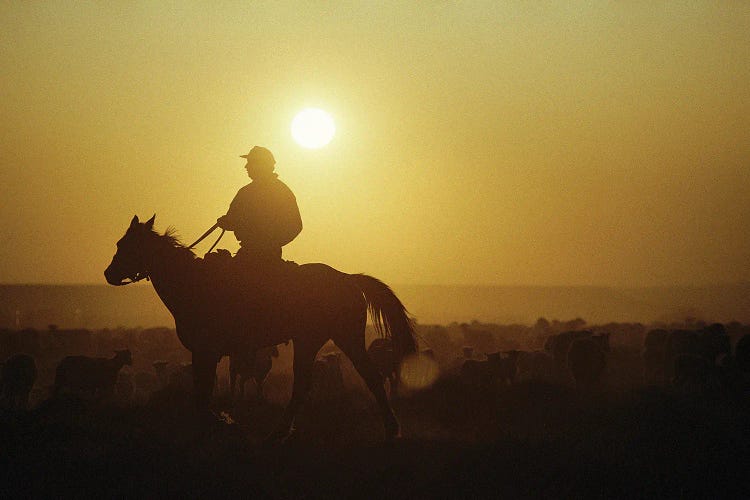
223 222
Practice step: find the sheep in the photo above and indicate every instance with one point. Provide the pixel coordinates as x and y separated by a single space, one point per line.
505 369
559 344
162 374
85 376
476 372
742 354
328 380
711 343
146 383
495 368
715 343
654 353
587 358
381 354
255 365
18 376
125 387
181 378
538 366
695 374
468 352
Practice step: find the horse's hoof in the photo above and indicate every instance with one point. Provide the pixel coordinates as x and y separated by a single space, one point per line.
393 436
392 430
278 437
225 418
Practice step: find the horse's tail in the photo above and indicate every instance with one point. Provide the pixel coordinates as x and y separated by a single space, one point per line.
389 316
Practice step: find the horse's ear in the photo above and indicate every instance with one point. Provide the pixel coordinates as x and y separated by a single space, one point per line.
150 222
134 222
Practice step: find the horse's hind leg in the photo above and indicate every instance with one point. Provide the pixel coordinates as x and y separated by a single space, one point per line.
232 383
259 395
354 348
304 357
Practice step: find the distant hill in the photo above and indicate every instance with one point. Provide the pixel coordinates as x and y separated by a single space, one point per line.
525 304
102 306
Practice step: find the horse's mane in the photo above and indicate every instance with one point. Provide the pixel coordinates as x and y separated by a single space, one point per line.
172 238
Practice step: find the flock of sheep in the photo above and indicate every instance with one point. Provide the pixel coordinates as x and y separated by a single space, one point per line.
696 360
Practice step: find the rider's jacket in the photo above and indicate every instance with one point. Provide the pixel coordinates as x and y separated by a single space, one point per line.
264 214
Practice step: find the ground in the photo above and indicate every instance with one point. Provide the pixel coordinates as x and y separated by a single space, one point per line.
523 441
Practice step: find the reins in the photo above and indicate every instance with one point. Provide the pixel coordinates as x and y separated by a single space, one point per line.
206 234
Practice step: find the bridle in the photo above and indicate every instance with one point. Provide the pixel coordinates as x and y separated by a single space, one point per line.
138 276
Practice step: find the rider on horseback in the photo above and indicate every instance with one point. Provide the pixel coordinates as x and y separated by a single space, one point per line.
263 215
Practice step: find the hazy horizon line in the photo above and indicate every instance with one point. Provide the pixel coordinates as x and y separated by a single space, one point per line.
460 285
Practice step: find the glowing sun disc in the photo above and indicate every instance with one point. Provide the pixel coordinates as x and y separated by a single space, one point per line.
313 128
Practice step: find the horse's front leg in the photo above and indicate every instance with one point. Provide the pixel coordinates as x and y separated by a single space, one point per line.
204 378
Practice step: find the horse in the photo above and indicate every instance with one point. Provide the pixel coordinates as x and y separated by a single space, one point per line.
224 311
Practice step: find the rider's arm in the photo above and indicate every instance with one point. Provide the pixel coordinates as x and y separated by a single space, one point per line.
228 222
225 222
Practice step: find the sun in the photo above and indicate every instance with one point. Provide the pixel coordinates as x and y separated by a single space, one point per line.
313 128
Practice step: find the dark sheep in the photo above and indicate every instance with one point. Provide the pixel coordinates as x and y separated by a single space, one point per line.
255 365
654 353
125 387
94 377
742 354
587 359
506 367
146 383
181 378
162 373
536 365
381 354
488 372
327 379
468 352
18 376
695 374
711 343
559 344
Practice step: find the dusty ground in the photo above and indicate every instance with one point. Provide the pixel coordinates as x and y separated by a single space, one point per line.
523 441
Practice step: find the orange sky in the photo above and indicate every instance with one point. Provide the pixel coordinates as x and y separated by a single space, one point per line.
574 143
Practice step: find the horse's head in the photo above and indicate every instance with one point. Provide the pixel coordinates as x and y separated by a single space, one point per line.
130 262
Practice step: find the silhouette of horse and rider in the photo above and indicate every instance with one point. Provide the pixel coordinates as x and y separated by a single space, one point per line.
237 305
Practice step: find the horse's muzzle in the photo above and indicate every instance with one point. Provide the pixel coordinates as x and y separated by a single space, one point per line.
111 279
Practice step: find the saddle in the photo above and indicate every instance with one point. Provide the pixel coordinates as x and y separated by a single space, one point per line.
221 269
